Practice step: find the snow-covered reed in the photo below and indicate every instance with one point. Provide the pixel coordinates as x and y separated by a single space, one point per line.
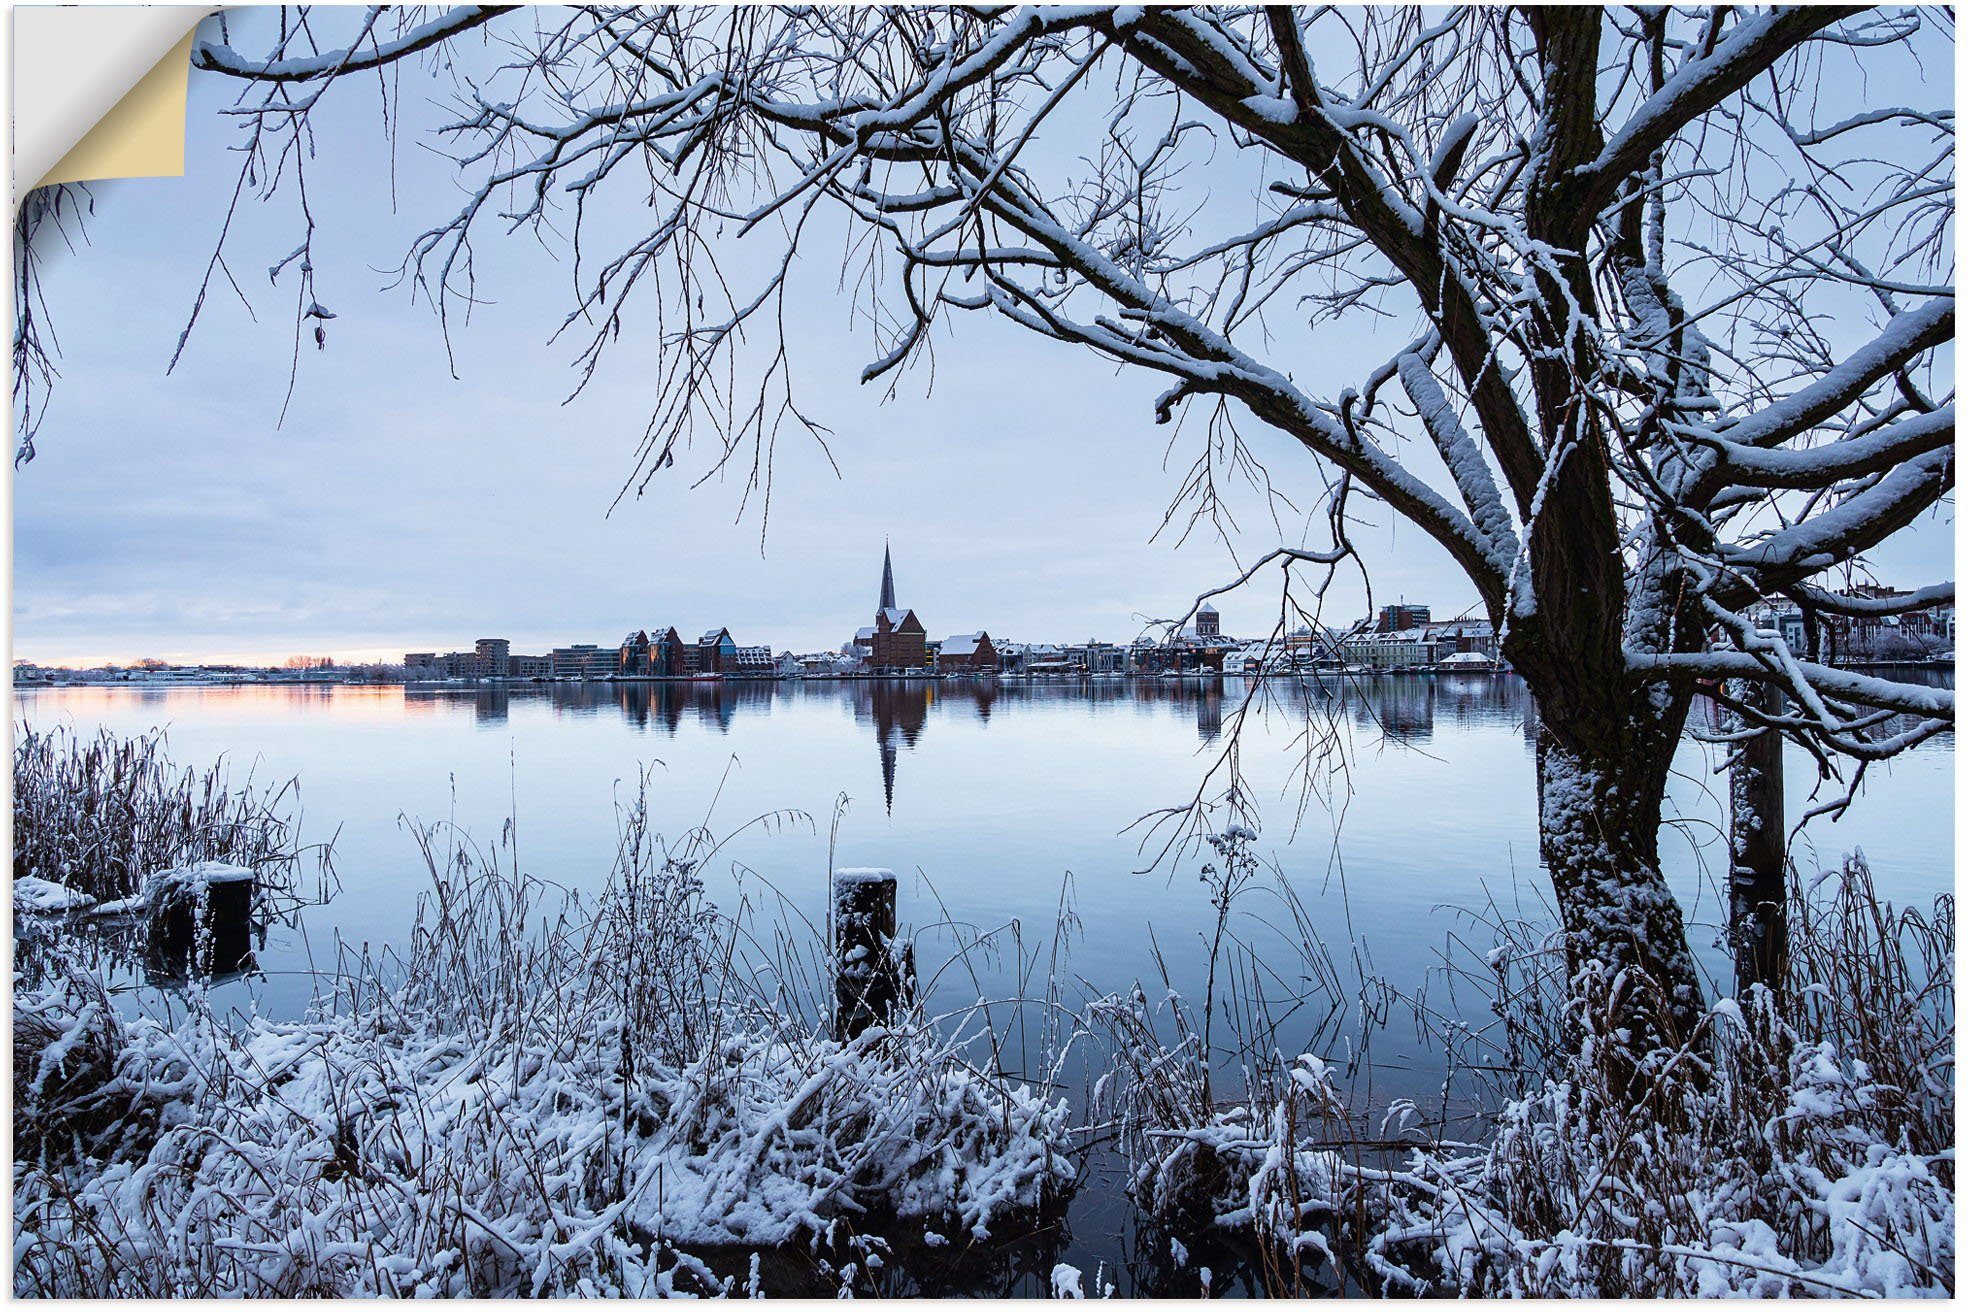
1801 1144
544 1095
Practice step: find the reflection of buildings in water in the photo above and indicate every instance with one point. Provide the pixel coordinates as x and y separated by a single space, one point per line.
641 704
634 709
1406 706
1209 712
1479 698
491 703
1403 707
714 705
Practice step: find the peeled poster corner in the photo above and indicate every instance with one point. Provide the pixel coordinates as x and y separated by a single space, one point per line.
99 92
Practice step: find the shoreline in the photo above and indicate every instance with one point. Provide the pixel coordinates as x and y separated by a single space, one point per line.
1318 675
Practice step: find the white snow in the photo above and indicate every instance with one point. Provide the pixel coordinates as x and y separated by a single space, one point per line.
204 874
502 1147
37 896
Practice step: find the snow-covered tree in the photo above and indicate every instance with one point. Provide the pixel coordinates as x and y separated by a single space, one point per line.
1666 294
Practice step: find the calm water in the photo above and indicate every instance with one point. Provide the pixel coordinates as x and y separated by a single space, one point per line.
989 798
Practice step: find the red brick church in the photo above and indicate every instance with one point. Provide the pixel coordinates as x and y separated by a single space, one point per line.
897 640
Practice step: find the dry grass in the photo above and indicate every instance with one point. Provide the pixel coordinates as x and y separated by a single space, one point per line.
98 814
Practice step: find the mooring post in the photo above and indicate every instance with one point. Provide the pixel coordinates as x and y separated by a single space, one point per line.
1758 924
869 979
200 920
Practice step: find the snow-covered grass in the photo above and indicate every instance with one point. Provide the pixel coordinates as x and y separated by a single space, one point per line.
544 1095
95 816
1802 1144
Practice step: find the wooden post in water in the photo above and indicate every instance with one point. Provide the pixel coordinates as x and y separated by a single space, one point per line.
200 920
869 980
1758 922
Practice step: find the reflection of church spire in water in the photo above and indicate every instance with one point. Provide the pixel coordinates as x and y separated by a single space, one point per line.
888 580
898 712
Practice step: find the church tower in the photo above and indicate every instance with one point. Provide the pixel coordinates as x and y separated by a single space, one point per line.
897 641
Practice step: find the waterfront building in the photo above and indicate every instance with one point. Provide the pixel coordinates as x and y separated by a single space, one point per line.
583 660
1046 658
1420 645
968 653
1401 617
1208 623
1460 637
1399 650
667 657
819 664
717 653
1093 657
1256 656
1306 646
494 657
633 657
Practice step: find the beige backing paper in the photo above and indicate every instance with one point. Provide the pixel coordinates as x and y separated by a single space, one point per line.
99 92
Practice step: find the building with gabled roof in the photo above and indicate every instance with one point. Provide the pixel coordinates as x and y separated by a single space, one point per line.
717 653
968 653
633 658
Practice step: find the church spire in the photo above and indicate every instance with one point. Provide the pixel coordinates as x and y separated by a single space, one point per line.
888 580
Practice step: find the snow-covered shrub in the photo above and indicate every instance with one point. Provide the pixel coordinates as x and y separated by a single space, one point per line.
74 1090
543 1096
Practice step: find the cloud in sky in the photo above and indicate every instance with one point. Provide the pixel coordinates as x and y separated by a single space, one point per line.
399 507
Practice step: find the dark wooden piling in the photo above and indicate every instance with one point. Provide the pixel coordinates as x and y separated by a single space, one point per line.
1759 926
200 921
870 977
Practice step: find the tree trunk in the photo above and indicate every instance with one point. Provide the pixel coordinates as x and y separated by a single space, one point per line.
1600 786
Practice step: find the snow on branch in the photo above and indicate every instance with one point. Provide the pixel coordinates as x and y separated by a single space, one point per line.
335 63
1847 685
1822 466
1907 337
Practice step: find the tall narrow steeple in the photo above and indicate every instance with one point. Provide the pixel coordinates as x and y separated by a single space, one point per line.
888 580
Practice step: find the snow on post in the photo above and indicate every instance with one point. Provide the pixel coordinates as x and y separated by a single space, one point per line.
869 976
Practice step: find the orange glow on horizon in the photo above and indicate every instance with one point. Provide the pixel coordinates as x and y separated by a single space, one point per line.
254 659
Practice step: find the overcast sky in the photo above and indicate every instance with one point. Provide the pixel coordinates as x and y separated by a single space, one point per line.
399 508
